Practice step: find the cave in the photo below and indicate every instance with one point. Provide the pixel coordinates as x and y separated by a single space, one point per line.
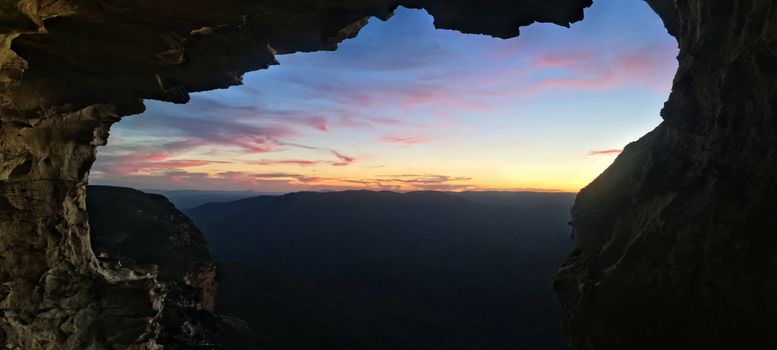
675 242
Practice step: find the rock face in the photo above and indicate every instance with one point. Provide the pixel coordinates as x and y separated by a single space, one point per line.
53 292
675 242
138 230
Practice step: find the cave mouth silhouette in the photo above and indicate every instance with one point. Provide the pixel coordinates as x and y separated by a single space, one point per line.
58 175
396 89
221 107
686 210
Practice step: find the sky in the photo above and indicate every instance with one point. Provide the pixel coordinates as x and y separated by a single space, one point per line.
404 106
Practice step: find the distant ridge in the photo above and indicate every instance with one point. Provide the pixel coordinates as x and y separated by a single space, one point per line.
189 199
382 270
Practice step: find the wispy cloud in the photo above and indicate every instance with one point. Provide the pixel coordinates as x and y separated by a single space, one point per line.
341 160
234 180
344 160
300 162
281 181
603 68
605 152
423 179
249 177
194 132
408 140
140 162
413 182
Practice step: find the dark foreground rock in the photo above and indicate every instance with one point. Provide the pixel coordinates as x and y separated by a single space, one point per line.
677 240
141 231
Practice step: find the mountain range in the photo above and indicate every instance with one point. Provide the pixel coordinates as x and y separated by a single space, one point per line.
385 270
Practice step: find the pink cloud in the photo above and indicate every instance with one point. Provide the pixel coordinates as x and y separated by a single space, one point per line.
344 160
408 140
234 180
288 182
300 162
318 123
387 121
414 182
568 59
144 161
586 69
248 177
609 68
605 152
427 179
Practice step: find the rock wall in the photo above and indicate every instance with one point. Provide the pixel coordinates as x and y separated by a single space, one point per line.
677 241
54 293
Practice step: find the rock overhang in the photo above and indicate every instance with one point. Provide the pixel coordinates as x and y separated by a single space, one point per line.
70 54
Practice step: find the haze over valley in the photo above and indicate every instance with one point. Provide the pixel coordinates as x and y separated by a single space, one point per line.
361 269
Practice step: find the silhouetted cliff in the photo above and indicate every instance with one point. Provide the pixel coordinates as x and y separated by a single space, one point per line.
676 241
145 231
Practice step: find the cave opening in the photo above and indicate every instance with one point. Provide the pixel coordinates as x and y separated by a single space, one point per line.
399 116
401 107
674 241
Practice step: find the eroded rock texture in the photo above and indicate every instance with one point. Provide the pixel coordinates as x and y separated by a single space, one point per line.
677 240
70 68
54 293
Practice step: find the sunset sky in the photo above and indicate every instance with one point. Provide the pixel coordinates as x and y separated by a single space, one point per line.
406 107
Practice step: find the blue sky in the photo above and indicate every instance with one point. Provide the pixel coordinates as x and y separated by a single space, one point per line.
405 107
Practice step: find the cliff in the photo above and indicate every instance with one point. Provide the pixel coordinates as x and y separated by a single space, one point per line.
138 230
675 242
